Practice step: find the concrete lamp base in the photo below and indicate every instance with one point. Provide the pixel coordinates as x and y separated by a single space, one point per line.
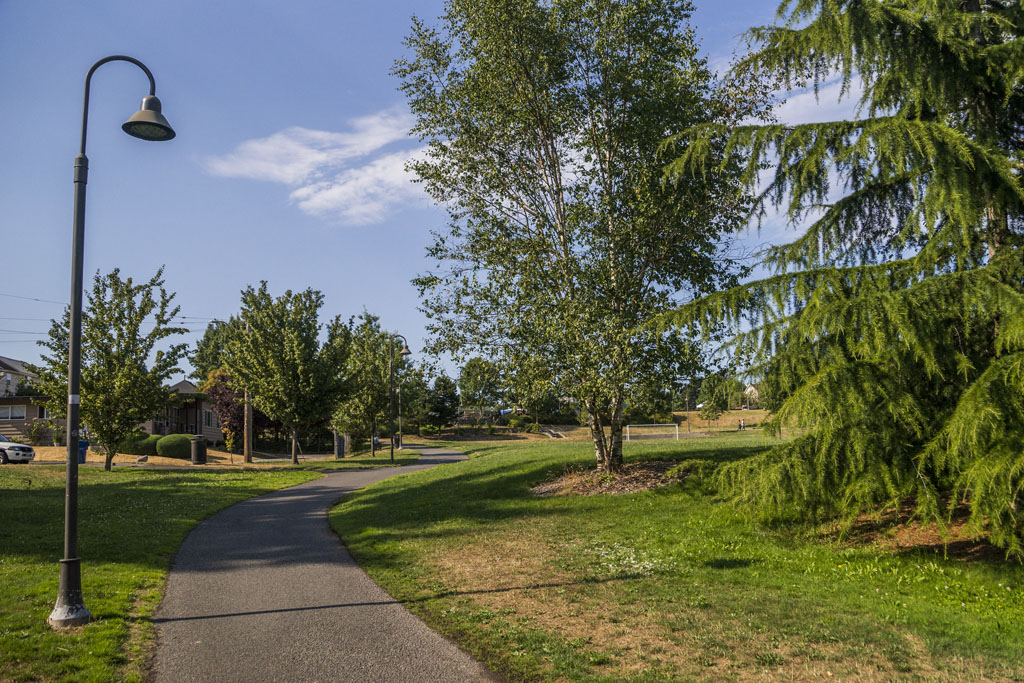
70 609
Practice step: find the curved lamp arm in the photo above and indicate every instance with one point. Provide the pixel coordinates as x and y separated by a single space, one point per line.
88 82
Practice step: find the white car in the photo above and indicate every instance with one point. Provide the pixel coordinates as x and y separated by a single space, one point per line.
12 451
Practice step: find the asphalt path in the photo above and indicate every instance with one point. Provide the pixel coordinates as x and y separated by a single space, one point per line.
265 591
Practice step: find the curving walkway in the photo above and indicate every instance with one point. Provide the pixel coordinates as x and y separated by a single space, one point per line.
264 591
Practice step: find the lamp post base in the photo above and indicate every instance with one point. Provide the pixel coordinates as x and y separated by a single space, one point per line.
70 609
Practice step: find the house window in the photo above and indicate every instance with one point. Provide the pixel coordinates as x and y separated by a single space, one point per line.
177 411
207 418
43 414
12 412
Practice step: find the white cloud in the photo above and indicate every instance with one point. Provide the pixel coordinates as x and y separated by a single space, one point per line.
341 175
806 107
364 194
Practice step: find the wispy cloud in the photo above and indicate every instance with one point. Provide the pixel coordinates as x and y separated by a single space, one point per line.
347 176
829 104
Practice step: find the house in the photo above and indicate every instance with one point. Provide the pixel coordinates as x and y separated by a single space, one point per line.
189 412
19 413
752 395
12 373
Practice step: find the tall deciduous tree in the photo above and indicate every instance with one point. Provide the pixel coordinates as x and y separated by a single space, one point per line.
894 327
366 405
277 355
479 383
542 122
123 373
211 347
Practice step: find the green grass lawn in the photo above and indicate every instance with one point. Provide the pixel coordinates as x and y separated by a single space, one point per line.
670 583
131 524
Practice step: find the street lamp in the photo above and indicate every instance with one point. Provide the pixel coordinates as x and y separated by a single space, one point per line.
391 386
147 124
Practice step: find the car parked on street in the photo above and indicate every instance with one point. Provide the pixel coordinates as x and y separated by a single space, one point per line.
12 451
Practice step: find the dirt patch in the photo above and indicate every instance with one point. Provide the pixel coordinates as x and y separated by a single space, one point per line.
635 477
899 532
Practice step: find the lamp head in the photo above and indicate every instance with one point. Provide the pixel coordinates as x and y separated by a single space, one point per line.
405 350
148 123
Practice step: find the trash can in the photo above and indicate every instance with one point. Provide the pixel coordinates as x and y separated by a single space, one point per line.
83 448
339 446
198 450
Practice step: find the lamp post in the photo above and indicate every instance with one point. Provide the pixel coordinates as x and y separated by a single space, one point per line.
391 386
147 124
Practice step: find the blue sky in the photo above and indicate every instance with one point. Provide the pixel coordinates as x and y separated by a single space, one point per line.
287 166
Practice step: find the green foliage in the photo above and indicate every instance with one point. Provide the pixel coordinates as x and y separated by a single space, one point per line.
38 432
429 430
26 387
365 407
443 402
276 354
123 371
714 394
542 140
479 383
893 329
212 347
139 443
174 446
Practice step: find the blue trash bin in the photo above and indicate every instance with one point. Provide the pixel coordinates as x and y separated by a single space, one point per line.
83 447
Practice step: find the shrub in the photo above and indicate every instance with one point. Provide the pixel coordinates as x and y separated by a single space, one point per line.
429 430
516 423
139 444
490 430
175 446
37 432
533 428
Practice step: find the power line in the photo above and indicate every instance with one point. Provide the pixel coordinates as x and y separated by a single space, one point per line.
30 298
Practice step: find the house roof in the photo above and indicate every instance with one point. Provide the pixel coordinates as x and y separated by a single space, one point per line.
15 366
184 387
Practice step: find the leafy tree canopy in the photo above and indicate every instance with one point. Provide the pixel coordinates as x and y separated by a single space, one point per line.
276 353
893 328
443 406
366 405
210 349
123 371
543 122
480 383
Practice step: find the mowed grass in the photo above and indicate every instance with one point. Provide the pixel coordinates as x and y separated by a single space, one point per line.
131 523
668 584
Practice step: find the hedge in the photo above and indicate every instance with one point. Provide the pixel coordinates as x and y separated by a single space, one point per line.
175 446
139 444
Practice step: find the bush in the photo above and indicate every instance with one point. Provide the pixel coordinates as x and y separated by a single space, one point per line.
429 430
139 444
516 423
175 446
533 428
38 432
